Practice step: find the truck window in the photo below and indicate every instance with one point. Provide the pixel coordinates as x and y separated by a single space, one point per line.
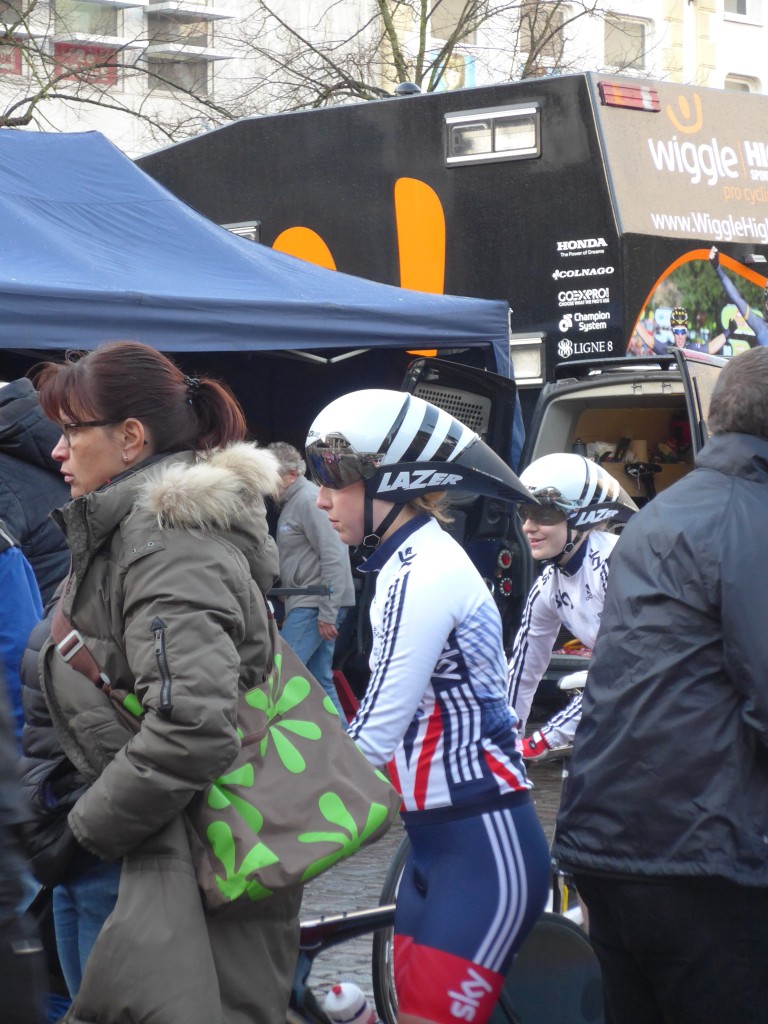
503 133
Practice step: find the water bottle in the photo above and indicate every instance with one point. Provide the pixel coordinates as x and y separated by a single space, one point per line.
346 1004
579 448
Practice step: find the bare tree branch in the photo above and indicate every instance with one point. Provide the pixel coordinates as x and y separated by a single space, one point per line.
283 64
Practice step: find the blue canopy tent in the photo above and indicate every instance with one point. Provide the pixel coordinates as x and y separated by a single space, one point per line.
93 248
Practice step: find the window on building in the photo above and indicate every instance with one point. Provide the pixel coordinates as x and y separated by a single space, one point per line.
625 43
171 28
750 10
96 65
10 13
85 18
541 33
10 58
738 84
178 75
447 14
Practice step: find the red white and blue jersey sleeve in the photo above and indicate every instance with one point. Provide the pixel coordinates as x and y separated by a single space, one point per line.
436 701
572 597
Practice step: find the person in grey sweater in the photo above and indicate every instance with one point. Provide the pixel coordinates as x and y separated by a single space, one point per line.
311 554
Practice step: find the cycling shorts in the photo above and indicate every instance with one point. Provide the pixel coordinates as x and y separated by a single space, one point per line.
472 889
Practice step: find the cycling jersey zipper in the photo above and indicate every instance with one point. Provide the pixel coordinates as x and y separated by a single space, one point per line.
165 706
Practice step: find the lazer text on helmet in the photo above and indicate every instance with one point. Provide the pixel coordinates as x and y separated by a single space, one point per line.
417 478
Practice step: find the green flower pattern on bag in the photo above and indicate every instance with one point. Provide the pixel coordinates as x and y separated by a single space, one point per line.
333 810
277 701
276 704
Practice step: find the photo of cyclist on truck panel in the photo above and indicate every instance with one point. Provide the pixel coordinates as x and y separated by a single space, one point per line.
756 322
692 308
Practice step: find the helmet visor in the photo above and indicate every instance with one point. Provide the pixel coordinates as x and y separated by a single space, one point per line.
333 463
541 515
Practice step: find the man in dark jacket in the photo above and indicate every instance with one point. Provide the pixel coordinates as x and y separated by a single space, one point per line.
31 484
665 817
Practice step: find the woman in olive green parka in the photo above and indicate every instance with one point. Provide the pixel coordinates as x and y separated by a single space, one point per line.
171 561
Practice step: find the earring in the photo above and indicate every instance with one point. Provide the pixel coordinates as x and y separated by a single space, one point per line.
125 457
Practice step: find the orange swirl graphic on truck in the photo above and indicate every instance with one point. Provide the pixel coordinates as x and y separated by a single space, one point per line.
420 227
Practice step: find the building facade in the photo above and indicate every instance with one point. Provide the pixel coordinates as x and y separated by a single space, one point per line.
145 72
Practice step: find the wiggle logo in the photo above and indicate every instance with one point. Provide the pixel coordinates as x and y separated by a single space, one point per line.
689 121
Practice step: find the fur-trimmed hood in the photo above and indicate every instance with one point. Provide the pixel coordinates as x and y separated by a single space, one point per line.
220 487
222 491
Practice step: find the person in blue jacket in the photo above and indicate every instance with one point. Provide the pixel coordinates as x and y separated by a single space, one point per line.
20 610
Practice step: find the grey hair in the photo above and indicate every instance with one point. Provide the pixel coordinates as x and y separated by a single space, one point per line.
739 402
289 458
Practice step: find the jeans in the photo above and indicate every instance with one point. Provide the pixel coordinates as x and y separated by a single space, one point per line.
80 907
300 633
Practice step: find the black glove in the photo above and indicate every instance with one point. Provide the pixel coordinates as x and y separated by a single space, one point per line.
51 786
52 851
732 327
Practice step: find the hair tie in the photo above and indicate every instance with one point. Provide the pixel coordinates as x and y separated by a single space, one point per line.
192 385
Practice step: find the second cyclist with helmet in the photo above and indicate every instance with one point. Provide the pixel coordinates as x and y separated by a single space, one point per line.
436 710
575 500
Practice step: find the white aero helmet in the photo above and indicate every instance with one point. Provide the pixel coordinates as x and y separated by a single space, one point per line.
403 447
580 488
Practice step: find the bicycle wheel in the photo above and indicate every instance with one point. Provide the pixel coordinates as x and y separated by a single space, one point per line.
382 965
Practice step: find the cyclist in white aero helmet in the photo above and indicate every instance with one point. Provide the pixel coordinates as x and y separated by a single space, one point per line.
436 710
575 500
402 448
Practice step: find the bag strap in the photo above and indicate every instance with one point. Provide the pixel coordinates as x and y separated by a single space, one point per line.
72 648
71 645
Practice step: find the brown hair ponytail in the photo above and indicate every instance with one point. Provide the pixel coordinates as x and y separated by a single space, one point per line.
127 379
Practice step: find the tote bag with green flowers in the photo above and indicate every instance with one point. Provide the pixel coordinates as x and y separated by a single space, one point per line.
299 797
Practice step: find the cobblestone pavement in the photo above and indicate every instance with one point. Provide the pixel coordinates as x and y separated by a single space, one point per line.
356 884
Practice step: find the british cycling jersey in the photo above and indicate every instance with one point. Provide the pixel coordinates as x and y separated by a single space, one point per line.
436 700
572 597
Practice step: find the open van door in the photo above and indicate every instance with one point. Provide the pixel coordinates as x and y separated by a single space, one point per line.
699 372
487 528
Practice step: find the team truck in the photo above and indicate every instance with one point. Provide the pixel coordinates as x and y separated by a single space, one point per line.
598 206
589 202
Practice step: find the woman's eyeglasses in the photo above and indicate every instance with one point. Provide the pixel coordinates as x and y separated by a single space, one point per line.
68 429
541 515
